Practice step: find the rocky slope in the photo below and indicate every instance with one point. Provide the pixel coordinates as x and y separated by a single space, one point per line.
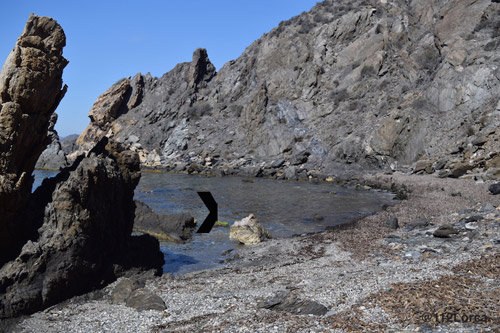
73 234
379 84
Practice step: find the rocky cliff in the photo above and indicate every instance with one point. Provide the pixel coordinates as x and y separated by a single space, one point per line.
366 85
73 234
30 91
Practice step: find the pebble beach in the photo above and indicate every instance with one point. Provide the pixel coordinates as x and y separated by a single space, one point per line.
366 276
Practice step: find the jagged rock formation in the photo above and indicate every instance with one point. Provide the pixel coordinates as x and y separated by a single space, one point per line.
30 91
86 215
53 157
73 234
376 84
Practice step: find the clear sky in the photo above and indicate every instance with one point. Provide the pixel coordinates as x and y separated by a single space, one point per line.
109 40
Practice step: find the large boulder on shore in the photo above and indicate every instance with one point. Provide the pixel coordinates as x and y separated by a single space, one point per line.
73 234
248 231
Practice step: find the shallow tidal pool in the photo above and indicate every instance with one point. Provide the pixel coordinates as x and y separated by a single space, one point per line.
285 208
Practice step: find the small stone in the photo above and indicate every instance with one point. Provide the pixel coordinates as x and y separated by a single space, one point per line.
494 188
486 208
285 302
471 226
413 254
417 223
473 218
445 231
392 222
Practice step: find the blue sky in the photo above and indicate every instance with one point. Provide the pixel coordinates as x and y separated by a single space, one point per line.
109 40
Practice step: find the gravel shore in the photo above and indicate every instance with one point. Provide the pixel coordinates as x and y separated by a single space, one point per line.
369 276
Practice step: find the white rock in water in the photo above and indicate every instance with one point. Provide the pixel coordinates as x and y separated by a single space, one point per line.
248 231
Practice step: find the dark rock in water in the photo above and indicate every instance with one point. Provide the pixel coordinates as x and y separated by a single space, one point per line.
494 188
172 227
286 302
445 231
53 157
392 222
30 91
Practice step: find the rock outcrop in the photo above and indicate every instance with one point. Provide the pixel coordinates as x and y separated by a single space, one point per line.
371 85
53 157
30 91
84 241
73 234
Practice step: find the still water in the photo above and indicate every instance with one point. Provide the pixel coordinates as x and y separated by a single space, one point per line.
285 208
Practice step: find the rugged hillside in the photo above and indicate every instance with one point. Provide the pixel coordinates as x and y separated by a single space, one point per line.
376 84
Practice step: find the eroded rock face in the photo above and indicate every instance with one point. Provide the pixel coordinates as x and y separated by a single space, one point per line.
86 214
30 91
73 234
365 85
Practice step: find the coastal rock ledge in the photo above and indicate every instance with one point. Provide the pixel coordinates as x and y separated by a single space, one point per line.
73 234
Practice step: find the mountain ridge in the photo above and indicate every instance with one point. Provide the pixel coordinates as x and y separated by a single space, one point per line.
379 85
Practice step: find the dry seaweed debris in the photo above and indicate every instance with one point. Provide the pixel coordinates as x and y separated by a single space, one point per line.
470 296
